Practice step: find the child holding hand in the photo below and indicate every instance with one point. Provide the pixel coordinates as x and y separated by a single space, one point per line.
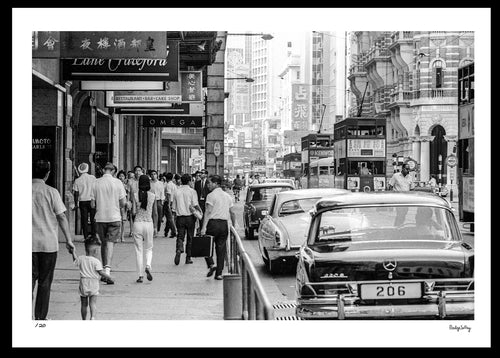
90 272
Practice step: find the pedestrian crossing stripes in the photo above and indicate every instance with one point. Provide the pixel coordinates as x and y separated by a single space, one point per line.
283 305
288 318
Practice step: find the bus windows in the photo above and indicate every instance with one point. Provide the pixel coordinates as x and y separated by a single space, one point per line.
331 170
352 131
314 171
381 130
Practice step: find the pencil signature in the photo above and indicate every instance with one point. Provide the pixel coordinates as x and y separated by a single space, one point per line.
460 328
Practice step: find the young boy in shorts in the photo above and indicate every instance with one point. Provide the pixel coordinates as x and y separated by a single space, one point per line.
90 271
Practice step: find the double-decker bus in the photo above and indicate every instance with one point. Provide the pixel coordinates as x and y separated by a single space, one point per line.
465 142
360 153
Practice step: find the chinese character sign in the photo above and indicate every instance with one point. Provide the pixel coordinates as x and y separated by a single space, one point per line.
366 148
45 44
109 44
191 86
300 107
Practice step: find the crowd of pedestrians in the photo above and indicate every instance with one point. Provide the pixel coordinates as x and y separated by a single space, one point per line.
188 204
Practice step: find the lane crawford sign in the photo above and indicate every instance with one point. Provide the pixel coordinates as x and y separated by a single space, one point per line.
125 69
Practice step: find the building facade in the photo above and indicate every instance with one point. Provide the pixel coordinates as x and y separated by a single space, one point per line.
410 78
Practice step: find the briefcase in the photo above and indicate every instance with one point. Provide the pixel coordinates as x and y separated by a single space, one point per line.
202 246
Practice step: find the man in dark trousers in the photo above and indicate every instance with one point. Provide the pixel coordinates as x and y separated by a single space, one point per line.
201 188
48 217
218 216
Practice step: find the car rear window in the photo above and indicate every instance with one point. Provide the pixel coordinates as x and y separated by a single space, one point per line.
386 223
266 194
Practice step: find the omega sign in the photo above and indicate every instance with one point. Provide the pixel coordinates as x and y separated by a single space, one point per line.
171 121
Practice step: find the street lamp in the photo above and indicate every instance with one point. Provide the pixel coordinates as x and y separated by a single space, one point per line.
247 79
262 36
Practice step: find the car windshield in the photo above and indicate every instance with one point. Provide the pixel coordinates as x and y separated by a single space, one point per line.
385 223
266 194
297 206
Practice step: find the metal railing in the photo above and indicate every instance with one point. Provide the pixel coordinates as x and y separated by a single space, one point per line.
255 303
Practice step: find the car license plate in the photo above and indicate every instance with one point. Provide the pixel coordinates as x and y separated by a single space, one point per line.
384 291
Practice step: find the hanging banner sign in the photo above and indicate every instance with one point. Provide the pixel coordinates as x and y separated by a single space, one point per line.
320 153
172 121
114 44
125 69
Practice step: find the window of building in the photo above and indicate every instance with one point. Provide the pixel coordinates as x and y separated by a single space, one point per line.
437 74
298 75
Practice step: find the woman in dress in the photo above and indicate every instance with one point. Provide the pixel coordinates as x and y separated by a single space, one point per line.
144 228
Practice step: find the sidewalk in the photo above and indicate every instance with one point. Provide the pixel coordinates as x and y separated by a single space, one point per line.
180 292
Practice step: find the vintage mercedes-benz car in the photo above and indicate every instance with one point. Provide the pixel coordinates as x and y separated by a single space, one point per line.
384 255
257 201
284 228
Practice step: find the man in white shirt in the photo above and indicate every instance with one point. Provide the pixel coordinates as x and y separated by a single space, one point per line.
218 216
107 197
185 200
401 181
82 188
170 189
47 218
158 189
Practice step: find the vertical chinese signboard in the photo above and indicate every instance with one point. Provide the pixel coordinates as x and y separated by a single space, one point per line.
191 86
300 107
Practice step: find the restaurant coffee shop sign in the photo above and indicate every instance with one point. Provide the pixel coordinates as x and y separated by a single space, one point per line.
125 69
187 90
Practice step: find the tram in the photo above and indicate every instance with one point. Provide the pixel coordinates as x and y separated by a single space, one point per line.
322 173
360 154
465 142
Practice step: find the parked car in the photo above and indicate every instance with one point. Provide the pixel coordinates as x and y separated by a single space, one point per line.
280 180
284 228
257 201
384 255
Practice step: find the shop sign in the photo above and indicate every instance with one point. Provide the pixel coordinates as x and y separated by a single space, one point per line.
188 89
45 44
114 44
125 69
171 121
321 153
366 148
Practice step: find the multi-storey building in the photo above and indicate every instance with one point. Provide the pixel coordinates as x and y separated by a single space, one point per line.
410 78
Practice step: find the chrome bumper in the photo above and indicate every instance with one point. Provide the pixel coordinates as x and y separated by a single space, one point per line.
282 253
438 304
450 310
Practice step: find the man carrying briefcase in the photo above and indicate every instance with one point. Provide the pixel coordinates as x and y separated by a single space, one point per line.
218 216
